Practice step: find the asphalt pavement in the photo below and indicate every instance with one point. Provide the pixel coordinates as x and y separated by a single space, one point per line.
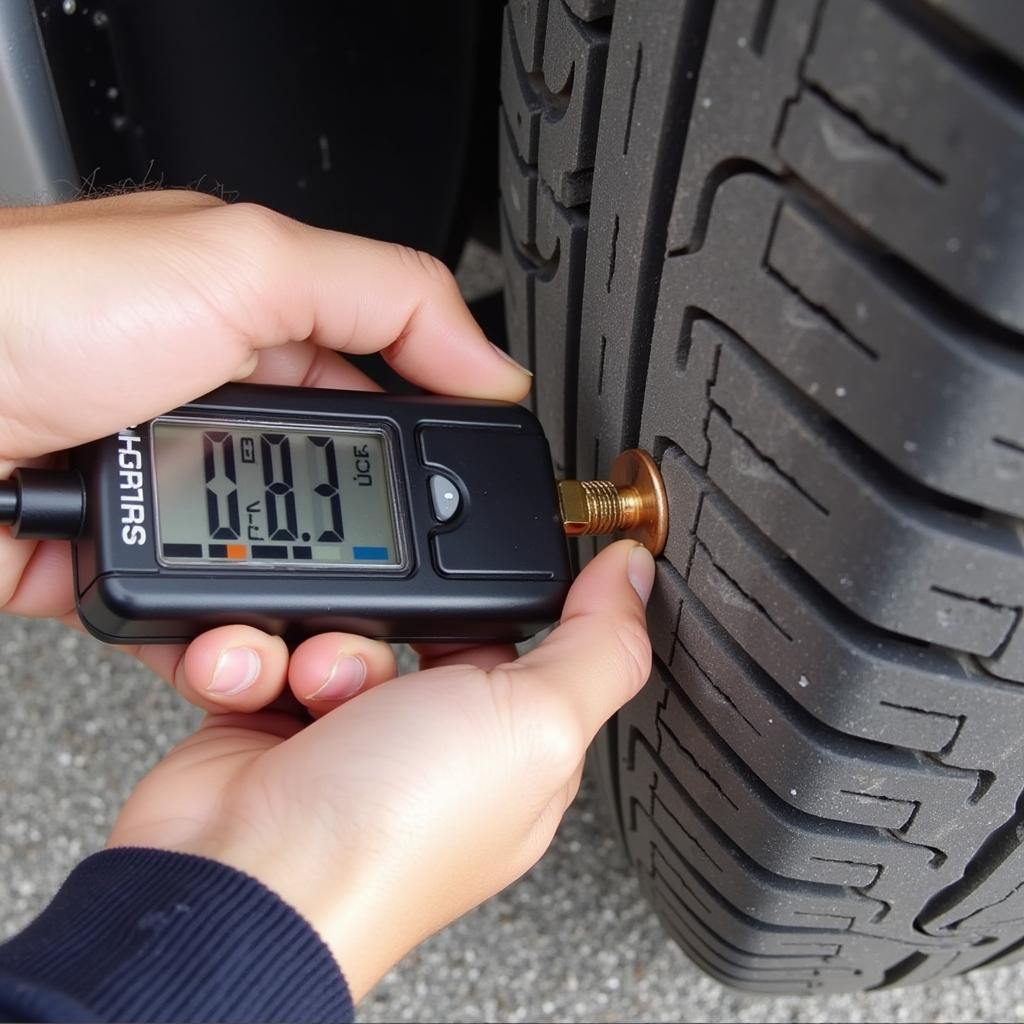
573 940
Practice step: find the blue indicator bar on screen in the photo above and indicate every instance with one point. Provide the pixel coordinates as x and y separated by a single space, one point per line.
371 554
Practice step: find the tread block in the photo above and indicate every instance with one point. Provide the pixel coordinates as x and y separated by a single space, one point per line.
823 772
543 245
997 22
520 274
686 840
528 20
562 240
903 138
643 109
992 908
688 486
518 182
543 306
643 713
551 91
988 898
1014 954
700 915
973 446
750 70
771 832
851 677
735 965
663 617
690 896
1008 662
683 416
575 54
964 587
850 337
667 883
591 10
932 574
522 106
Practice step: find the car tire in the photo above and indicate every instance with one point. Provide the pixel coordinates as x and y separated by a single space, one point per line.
781 247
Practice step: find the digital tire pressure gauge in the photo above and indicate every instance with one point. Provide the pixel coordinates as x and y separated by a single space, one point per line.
300 510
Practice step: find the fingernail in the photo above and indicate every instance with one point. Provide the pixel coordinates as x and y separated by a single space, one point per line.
236 670
346 678
508 359
641 571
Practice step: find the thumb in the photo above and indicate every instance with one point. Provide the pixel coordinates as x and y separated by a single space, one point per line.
599 656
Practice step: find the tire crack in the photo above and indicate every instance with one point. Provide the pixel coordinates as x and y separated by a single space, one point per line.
743 593
661 724
612 254
928 172
827 315
769 461
637 64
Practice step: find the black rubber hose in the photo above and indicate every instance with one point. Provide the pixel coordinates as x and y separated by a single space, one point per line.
43 503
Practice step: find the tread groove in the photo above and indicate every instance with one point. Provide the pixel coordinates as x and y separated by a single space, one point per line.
765 10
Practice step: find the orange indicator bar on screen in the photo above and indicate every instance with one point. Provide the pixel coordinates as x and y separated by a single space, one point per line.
238 551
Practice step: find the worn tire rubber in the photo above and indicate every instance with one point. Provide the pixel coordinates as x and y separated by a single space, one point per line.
780 245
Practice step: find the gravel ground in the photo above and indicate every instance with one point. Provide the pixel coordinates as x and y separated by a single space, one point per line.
572 941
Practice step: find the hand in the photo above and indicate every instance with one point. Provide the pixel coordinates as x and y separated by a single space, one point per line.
413 802
116 310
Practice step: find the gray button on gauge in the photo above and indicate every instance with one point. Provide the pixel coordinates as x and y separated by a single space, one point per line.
445 496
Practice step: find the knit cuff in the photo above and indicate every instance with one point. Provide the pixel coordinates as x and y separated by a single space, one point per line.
148 935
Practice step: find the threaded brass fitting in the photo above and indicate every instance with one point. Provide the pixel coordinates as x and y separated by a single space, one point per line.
591 507
633 502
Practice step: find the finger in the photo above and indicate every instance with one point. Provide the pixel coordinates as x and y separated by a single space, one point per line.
599 655
329 669
303 364
485 656
209 288
166 661
142 200
36 578
404 304
148 200
231 668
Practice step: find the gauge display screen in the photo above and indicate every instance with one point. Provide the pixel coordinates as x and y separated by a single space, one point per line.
233 494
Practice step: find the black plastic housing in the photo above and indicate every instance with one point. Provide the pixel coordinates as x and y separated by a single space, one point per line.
499 570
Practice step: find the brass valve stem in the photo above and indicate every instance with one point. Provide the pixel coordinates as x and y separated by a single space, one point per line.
632 502
591 507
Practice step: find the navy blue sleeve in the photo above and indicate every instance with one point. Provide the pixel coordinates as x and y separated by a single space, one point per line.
146 935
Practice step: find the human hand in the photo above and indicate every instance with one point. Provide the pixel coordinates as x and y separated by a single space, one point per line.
116 310
405 807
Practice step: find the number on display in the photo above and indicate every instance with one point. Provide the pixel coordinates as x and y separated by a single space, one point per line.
222 503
